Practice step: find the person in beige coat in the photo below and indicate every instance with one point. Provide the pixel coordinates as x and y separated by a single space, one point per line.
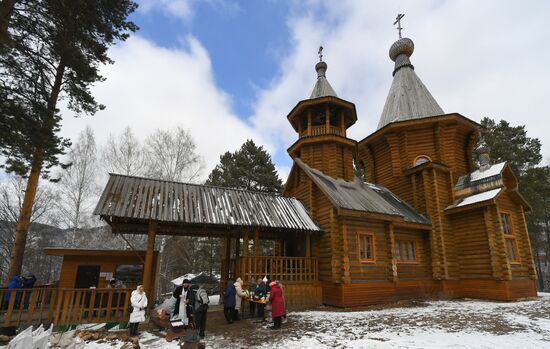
239 295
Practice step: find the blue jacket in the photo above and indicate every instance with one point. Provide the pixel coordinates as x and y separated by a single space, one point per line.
229 297
14 283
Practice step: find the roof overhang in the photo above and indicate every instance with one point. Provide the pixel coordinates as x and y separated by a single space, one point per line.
399 125
52 251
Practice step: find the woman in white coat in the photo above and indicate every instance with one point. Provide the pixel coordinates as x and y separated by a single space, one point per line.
139 304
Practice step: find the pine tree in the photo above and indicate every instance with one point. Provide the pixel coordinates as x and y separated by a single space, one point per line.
511 144
248 168
55 50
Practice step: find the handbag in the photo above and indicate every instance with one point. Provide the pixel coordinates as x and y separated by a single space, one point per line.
131 307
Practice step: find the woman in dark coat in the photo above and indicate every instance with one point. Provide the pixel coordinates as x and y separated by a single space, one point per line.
277 304
229 301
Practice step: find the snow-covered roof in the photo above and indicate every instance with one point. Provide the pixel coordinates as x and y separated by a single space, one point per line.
491 171
488 195
476 177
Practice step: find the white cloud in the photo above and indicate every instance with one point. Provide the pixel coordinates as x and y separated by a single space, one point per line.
151 87
477 58
181 9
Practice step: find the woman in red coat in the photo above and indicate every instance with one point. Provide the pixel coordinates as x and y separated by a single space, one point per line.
277 304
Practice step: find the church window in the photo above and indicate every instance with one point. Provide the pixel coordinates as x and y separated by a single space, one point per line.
366 247
421 159
405 251
511 244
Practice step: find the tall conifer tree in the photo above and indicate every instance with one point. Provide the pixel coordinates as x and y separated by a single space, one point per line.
248 168
55 50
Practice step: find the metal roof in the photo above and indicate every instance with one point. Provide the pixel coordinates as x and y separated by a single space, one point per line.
362 196
408 97
164 201
322 87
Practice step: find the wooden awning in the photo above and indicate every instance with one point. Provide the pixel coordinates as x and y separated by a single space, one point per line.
134 201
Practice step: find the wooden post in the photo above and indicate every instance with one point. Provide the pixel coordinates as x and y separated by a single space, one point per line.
148 267
342 123
276 247
390 246
244 259
256 243
309 122
327 119
308 245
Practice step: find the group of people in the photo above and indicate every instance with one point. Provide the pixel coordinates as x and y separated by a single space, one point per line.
19 282
263 293
188 306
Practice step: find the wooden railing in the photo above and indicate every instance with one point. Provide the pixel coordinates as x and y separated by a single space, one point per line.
287 269
322 130
60 306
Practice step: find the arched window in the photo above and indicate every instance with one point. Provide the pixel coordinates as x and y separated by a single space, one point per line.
421 159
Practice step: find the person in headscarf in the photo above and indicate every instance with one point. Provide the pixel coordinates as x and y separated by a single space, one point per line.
139 304
239 295
277 304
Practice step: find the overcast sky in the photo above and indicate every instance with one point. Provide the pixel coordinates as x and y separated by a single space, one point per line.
228 71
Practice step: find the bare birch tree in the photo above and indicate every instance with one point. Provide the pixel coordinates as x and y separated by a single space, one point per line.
12 191
78 188
123 154
171 155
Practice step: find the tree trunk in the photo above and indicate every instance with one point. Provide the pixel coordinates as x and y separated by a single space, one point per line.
16 259
18 251
6 10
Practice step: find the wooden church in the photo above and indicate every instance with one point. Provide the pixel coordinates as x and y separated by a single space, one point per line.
424 222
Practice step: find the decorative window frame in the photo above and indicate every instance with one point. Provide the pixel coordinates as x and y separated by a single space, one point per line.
509 237
398 244
422 156
372 237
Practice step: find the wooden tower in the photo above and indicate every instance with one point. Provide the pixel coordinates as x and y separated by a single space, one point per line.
321 122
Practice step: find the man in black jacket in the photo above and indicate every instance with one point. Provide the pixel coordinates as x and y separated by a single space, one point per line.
184 294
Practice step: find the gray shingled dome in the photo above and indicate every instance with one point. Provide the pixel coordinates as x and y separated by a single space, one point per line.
322 87
408 97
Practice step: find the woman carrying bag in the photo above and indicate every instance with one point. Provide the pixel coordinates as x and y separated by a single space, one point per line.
139 304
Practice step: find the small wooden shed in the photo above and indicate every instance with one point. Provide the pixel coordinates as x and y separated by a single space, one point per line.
95 268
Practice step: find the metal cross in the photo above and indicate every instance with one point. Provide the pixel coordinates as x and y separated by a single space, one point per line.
320 53
398 22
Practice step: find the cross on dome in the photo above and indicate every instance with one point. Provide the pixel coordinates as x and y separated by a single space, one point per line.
398 22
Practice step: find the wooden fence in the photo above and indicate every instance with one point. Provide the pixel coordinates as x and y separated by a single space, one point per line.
62 306
286 269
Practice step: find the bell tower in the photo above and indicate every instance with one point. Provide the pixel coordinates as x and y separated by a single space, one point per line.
321 122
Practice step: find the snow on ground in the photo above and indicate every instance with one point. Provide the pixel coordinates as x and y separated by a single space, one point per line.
433 324
436 324
214 299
